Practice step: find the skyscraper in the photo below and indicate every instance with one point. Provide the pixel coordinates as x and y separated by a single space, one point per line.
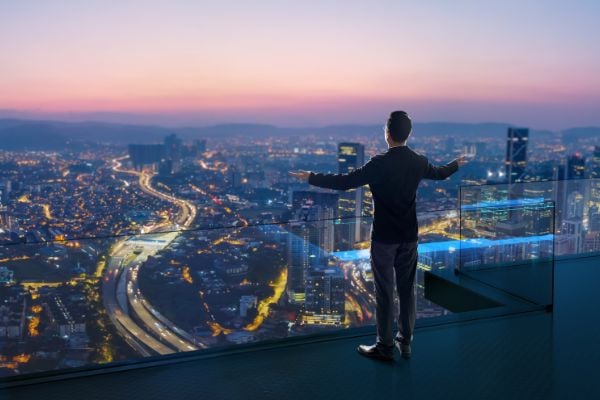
298 260
325 296
593 172
310 237
173 152
576 166
145 154
5 189
516 154
593 169
351 156
5 219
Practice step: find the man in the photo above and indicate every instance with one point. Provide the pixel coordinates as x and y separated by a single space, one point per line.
393 178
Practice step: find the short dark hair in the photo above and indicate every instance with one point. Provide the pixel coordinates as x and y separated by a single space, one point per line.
399 126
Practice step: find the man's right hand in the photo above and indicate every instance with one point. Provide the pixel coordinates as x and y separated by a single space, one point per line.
462 160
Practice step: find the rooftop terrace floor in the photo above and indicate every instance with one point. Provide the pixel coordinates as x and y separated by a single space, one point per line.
536 355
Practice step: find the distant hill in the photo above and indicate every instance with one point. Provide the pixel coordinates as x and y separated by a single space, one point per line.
20 134
574 134
53 135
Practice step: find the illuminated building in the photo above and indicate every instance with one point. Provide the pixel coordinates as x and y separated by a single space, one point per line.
351 156
247 303
5 219
298 261
516 154
5 189
574 228
575 166
594 164
325 296
6 276
310 237
173 152
142 155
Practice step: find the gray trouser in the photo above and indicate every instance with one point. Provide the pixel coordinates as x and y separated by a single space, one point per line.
385 259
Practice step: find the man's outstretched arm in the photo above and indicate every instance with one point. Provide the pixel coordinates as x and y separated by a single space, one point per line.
443 172
368 173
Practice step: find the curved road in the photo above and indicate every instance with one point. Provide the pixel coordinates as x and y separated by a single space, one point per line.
121 297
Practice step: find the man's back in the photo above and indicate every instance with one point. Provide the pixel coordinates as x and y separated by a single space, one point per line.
393 177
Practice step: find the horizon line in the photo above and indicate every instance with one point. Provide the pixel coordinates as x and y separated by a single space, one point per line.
81 120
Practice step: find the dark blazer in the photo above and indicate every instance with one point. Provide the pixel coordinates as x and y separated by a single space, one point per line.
393 178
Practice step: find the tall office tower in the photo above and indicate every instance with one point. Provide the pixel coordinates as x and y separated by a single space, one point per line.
5 219
367 212
575 166
593 172
469 149
351 156
575 191
516 154
145 154
325 296
573 228
319 210
6 276
234 177
310 238
298 261
173 152
247 302
5 189
575 206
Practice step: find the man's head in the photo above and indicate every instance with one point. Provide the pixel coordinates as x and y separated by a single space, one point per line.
398 127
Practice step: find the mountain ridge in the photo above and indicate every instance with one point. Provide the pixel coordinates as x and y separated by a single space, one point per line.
49 134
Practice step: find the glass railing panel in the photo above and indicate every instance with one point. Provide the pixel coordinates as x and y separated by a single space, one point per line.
53 308
577 209
87 302
508 244
91 301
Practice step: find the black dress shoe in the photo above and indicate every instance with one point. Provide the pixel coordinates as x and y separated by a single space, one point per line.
375 352
403 348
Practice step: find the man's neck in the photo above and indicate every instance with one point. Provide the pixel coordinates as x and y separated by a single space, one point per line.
392 145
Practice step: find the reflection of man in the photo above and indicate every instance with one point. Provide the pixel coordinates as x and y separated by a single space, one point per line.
393 178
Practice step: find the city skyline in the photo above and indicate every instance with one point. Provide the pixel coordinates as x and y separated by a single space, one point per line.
292 65
118 251
148 200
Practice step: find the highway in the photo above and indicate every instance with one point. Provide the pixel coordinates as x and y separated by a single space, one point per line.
162 327
122 298
141 341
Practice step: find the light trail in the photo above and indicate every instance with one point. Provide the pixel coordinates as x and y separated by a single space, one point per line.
121 261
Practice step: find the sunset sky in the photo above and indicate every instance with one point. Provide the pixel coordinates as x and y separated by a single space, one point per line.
534 63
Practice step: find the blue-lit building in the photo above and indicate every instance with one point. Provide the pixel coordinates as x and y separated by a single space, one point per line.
516 154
